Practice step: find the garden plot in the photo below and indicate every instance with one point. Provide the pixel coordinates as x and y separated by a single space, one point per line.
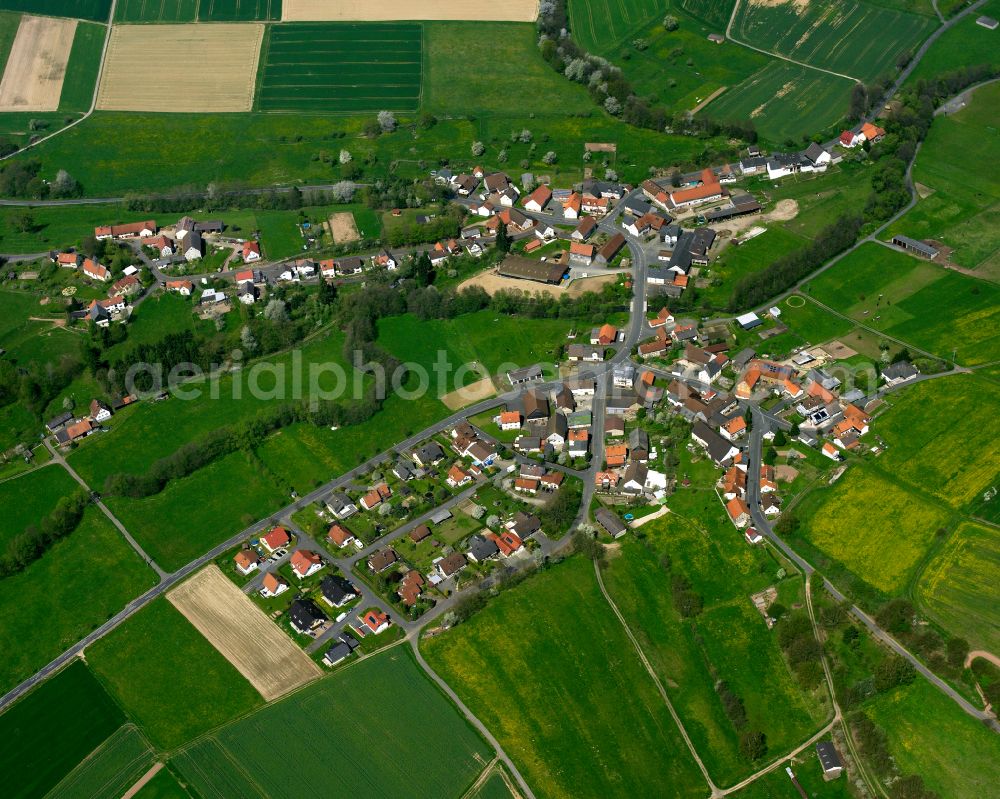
249 640
206 68
36 66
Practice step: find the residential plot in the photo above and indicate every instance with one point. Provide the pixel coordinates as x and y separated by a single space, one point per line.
332 67
380 721
246 637
36 67
853 38
345 10
208 68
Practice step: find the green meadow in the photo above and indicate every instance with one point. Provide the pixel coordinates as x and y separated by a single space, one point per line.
30 497
82 68
962 45
111 769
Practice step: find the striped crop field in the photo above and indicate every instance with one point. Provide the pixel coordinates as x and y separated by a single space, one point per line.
600 25
341 67
155 10
845 36
238 10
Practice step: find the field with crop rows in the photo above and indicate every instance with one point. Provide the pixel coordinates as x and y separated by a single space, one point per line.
53 728
82 68
785 101
711 12
96 10
339 728
156 10
599 25
111 770
341 67
852 38
958 588
238 10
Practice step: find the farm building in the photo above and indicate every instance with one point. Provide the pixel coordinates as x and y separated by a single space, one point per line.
920 248
829 759
525 269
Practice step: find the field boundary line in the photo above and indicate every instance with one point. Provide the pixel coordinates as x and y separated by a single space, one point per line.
716 791
141 782
729 35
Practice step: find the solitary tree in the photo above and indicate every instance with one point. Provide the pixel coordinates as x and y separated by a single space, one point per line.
345 157
550 157
247 340
478 148
387 121
670 22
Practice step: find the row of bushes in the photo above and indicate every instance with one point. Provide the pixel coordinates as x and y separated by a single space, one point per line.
30 545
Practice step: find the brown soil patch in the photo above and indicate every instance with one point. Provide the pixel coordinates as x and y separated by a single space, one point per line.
923 192
800 5
345 10
343 228
839 351
190 68
491 283
242 632
474 392
36 66
785 473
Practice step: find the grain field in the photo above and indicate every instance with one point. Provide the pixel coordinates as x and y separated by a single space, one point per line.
36 67
181 68
244 635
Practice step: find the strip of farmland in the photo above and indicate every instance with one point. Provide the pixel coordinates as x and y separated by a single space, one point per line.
331 67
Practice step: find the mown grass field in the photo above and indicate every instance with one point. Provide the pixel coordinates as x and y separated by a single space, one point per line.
53 603
958 587
963 206
156 10
53 728
943 312
578 714
341 67
30 497
785 101
858 39
691 655
238 10
964 44
370 742
929 735
111 770
866 515
96 10
735 263
167 677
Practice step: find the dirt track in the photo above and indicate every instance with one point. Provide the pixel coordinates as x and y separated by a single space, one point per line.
491 283
35 69
245 636
345 10
181 68
466 395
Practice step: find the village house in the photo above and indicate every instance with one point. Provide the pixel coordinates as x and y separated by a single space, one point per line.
410 588
130 231
450 565
482 549
379 561
739 513
457 477
898 373
507 542
250 252
305 616
538 199
68 260
340 536
341 505
374 622
273 585
337 653
182 287
126 286
99 411
95 271
276 539
247 561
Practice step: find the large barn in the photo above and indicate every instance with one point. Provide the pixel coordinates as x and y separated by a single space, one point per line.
526 269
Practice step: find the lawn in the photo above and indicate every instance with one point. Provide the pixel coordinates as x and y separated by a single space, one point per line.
483 339
460 62
691 655
814 324
962 208
785 101
440 756
53 728
156 10
865 515
965 44
610 733
238 10
943 312
148 665
84 64
53 603
735 263
96 10
958 587
853 38
341 67
930 736
111 770
27 499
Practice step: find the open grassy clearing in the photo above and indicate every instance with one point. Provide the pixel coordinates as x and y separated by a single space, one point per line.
866 515
335 67
611 732
853 38
110 770
156 10
82 68
691 655
49 731
963 210
820 197
148 665
958 587
785 101
238 10
95 10
735 263
460 60
53 603
940 311
442 759
962 45
30 497
930 736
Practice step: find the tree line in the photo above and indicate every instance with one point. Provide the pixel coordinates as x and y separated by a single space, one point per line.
30 545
